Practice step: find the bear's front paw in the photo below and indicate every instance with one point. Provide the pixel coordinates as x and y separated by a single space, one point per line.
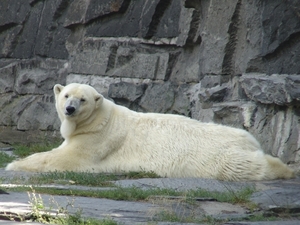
11 166
25 165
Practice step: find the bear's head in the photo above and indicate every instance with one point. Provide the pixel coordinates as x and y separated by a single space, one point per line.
76 102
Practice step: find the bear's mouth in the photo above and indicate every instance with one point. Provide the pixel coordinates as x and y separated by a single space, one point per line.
69 114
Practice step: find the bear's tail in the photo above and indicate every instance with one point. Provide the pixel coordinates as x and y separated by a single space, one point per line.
276 169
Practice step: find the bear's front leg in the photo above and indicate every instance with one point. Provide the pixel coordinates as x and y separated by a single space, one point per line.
37 162
58 159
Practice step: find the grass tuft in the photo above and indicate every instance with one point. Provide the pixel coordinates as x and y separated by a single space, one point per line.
5 159
75 178
235 197
58 214
140 174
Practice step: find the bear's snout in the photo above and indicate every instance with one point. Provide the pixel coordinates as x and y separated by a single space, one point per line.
70 110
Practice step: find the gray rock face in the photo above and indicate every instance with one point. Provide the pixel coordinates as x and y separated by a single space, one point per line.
27 100
231 62
280 47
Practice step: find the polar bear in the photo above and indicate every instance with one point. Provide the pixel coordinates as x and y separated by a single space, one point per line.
100 136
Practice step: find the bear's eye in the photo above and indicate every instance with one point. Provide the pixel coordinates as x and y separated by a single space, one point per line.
66 96
82 100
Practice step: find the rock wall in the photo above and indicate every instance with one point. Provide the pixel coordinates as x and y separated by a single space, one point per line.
232 62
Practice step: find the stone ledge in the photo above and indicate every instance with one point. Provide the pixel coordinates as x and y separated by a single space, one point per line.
279 89
270 195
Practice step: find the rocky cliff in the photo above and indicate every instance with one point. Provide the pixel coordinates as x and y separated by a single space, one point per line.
232 62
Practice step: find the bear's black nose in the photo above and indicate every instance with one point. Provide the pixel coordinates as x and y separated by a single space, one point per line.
70 110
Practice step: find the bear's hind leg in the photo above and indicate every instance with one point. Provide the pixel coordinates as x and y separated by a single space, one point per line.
246 165
276 169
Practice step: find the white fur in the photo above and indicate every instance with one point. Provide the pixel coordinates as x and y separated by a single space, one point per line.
105 137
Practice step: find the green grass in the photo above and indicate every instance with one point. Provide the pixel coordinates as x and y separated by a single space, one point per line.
138 175
75 178
69 220
86 178
137 194
126 194
72 220
235 197
26 150
5 159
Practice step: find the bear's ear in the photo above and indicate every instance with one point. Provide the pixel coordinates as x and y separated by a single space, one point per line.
98 99
57 89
